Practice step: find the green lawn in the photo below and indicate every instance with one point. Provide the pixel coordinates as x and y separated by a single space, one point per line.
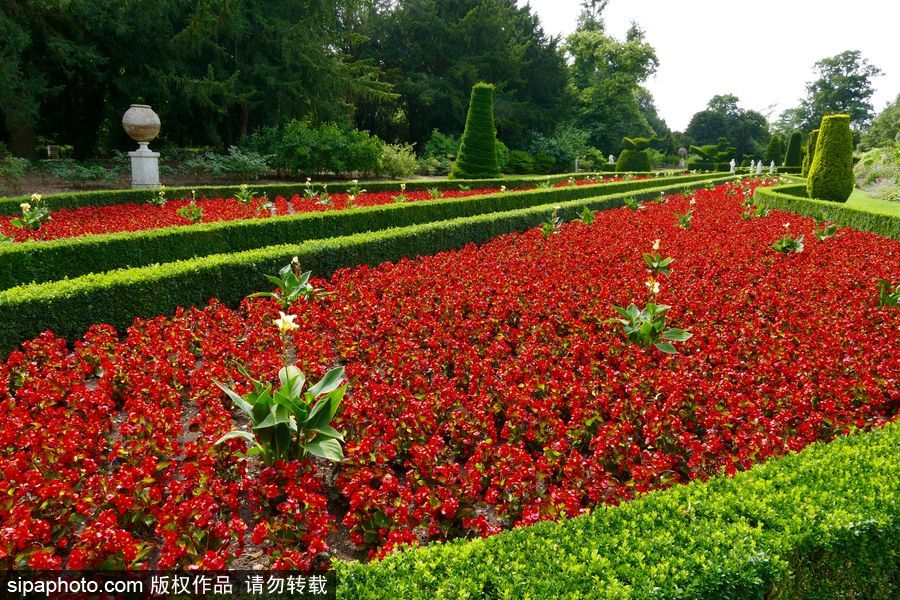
860 200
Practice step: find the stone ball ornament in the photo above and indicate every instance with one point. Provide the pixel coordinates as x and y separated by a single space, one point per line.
141 123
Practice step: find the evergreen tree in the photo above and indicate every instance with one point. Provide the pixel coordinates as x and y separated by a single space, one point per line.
477 158
792 156
831 171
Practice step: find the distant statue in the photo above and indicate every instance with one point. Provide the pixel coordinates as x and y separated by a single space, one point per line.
732 164
682 153
759 168
612 159
772 167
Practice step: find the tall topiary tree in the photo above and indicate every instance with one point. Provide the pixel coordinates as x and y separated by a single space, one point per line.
810 151
792 156
477 158
634 155
831 172
775 149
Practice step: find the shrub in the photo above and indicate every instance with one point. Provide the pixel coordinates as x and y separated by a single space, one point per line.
634 157
477 156
397 160
565 145
831 171
502 155
12 170
79 175
441 146
303 149
878 172
792 155
520 162
543 163
775 150
239 163
810 151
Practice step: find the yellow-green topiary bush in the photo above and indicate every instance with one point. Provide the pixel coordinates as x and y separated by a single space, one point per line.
831 170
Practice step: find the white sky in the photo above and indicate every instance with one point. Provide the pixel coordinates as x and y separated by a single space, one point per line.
762 51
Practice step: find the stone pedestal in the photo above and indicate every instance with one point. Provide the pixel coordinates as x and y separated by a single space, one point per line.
144 167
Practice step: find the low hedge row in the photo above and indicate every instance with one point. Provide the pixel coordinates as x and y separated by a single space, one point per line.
36 262
69 306
824 523
793 198
10 205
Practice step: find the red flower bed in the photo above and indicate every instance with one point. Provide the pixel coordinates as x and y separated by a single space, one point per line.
488 389
88 220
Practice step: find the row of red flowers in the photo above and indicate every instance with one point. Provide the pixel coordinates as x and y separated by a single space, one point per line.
488 389
88 220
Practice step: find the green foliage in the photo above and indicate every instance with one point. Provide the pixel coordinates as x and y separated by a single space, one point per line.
80 174
301 148
191 212
878 172
822 523
397 160
775 150
288 423
788 243
607 75
647 327
793 198
12 171
565 145
885 129
477 157
792 155
633 160
810 152
502 155
744 130
34 214
116 297
290 285
239 163
831 170
520 162
888 294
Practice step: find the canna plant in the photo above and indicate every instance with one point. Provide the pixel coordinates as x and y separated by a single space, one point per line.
435 193
684 221
551 225
586 216
633 203
159 198
34 214
244 195
287 422
647 327
656 263
291 284
191 212
888 294
788 243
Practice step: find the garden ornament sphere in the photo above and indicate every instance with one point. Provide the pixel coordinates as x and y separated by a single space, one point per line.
141 123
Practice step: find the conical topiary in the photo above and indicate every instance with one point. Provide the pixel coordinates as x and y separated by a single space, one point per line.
831 171
792 156
775 149
810 151
477 157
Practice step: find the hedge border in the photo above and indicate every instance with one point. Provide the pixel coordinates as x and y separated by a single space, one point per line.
10 205
793 198
36 262
69 306
823 523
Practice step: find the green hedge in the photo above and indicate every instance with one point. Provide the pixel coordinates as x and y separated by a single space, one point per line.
821 524
35 262
633 160
10 205
792 158
68 307
793 198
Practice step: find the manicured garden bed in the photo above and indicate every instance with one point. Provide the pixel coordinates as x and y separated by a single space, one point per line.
489 387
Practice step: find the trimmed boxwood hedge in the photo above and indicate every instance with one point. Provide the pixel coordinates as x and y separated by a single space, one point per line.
831 167
824 523
10 205
68 307
793 198
35 262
